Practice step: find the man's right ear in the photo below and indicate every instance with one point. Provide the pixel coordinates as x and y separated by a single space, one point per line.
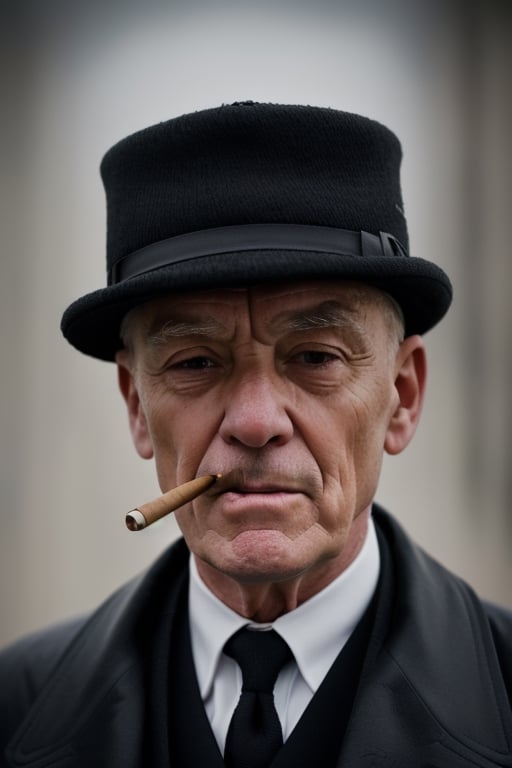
137 418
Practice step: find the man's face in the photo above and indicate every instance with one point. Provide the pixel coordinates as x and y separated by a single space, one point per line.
294 387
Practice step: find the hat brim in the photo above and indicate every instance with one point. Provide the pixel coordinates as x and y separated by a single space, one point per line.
423 290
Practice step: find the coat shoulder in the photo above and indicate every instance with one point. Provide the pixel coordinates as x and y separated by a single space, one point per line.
65 659
25 666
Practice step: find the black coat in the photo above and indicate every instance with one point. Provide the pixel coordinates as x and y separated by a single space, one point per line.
438 694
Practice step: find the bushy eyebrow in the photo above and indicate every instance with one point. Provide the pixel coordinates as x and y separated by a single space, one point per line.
328 314
175 329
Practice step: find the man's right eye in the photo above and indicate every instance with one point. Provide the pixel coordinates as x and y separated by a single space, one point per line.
194 364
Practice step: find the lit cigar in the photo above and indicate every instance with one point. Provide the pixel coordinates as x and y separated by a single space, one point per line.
152 511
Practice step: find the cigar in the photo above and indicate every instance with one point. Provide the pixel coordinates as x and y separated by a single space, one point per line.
152 511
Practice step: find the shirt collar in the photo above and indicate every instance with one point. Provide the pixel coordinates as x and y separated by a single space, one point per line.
316 631
211 624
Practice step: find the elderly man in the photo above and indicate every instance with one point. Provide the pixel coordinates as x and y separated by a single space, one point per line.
267 321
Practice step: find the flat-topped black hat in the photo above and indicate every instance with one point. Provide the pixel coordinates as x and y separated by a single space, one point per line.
250 193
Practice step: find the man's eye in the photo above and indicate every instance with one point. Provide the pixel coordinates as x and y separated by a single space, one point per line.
316 358
195 364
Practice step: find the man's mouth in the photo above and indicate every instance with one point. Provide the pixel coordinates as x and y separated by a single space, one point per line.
238 481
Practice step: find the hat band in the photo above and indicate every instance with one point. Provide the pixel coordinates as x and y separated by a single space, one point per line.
254 237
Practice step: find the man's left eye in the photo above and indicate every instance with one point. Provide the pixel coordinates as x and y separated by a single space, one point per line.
315 357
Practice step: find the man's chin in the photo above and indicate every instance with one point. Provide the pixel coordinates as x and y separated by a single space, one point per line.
260 556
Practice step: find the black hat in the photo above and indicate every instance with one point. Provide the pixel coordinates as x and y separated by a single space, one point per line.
250 193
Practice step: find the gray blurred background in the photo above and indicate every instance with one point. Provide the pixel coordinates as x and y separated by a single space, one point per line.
76 77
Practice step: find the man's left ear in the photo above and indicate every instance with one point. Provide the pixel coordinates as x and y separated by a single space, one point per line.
410 381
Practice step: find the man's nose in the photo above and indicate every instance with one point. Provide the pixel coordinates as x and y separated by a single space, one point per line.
256 413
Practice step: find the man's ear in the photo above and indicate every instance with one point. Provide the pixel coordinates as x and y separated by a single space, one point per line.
410 382
138 425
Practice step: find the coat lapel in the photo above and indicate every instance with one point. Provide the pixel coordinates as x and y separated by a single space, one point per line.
431 692
91 712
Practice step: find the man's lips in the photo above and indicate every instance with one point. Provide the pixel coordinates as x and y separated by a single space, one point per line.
239 482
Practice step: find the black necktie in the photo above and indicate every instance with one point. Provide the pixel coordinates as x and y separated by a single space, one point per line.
254 734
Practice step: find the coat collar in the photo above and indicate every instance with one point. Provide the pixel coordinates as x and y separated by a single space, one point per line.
431 693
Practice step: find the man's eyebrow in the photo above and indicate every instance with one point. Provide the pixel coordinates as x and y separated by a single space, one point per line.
328 314
174 328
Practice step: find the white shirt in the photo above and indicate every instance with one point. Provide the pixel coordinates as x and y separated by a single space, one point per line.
316 632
